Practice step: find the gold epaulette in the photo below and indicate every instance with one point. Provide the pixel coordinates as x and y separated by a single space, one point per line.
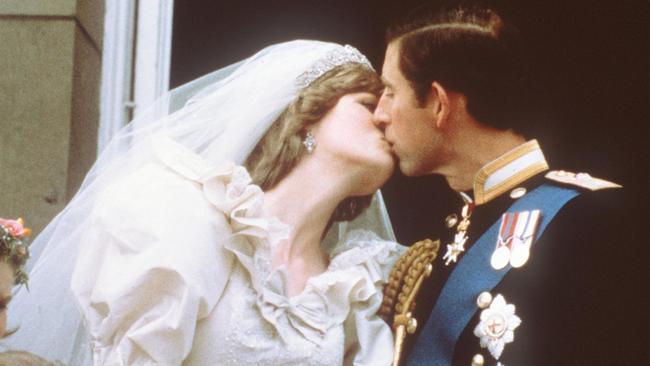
403 286
582 180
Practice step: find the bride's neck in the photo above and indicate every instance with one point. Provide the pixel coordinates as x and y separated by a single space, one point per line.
305 200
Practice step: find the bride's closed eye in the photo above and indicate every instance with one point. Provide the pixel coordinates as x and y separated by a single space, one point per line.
369 101
370 106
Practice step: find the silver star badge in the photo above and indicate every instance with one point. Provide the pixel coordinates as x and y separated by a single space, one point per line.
455 249
497 326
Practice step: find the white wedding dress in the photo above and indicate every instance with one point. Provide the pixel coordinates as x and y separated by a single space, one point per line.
159 288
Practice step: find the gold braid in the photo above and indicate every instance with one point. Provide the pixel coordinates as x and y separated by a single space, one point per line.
403 286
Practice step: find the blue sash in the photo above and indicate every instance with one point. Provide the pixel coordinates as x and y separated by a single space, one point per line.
473 274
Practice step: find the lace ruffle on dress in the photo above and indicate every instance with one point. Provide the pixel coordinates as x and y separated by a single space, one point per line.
176 270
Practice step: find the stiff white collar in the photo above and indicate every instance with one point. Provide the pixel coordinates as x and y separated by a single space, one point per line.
508 170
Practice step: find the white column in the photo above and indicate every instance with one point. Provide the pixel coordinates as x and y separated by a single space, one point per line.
135 65
116 69
153 51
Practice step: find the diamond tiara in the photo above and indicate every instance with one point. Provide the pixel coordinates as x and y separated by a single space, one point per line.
334 58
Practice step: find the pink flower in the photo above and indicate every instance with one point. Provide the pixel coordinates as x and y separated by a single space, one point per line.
15 227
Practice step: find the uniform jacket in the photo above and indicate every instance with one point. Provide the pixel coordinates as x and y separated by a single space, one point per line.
575 295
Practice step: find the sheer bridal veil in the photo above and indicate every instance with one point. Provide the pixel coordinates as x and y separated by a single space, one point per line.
220 117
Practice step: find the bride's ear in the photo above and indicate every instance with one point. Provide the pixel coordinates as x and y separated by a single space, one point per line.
438 100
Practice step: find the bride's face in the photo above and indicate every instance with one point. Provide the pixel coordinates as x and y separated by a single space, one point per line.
348 134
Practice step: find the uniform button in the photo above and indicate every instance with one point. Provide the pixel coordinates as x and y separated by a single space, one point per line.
517 192
484 300
451 220
478 360
412 326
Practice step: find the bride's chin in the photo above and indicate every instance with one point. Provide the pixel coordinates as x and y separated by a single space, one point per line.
387 168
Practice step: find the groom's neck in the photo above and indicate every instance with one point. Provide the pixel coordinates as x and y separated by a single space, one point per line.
473 149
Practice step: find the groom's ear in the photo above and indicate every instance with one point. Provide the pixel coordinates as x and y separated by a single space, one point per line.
439 102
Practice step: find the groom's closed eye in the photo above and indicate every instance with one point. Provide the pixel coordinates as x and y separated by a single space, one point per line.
388 86
387 92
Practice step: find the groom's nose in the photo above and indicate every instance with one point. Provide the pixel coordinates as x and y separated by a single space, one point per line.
381 117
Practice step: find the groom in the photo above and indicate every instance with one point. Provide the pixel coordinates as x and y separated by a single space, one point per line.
534 271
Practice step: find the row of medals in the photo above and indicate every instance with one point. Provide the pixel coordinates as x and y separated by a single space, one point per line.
516 255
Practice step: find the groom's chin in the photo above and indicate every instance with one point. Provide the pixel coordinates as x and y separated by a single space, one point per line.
411 170
457 185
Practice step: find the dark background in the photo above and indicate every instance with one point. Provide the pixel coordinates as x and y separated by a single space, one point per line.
588 75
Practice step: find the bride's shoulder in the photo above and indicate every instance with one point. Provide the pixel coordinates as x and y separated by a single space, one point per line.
172 182
150 188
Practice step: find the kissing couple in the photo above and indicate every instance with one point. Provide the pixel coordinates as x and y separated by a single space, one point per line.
238 220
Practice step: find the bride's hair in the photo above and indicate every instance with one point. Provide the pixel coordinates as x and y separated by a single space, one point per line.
281 147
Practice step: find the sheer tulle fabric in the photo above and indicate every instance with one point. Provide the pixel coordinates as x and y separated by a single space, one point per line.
219 118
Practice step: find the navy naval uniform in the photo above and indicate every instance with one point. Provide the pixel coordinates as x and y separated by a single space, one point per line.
573 297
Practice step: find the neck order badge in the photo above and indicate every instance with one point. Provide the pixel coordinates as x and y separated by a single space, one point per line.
456 248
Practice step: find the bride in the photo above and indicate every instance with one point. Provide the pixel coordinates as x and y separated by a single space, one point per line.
237 222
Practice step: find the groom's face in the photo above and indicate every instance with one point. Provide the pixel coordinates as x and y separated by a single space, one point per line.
409 127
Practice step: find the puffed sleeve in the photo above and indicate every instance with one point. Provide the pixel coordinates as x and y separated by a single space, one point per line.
151 265
368 339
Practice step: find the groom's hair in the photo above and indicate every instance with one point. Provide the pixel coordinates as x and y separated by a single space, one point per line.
469 49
